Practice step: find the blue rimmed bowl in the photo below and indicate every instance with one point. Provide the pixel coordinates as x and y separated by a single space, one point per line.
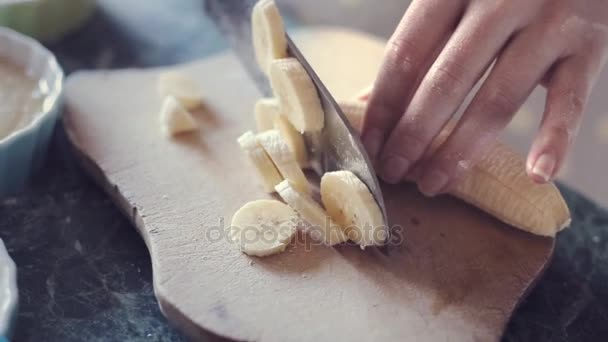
8 293
23 150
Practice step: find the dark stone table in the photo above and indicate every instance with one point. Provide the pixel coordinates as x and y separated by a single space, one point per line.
85 275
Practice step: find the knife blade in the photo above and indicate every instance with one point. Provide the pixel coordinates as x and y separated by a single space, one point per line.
337 146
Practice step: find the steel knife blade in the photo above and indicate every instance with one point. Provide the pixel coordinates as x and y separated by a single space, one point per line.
337 146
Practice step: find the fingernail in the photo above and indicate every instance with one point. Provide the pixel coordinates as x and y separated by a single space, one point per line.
433 182
544 167
373 142
394 168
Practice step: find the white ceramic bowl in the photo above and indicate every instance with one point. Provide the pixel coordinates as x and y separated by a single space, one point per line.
23 150
8 292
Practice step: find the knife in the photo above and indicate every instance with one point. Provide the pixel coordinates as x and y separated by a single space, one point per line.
337 146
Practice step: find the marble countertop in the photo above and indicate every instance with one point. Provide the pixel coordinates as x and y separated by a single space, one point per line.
85 275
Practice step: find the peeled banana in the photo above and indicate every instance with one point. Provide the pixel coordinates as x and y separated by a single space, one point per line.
498 185
294 140
269 39
283 159
266 111
319 225
350 203
178 85
261 161
175 119
262 228
297 94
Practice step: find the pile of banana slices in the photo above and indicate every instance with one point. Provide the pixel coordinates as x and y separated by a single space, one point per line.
278 153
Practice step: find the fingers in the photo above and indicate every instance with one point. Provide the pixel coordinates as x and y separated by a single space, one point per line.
518 70
468 53
568 91
420 34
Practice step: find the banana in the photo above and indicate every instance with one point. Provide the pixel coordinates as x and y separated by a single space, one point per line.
268 32
319 225
266 111
175 119
174 83
499 185
262 228
294 140
354 110
268 172
350 203
297 94
283 159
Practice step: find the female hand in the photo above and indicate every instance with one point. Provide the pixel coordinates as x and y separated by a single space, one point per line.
439 52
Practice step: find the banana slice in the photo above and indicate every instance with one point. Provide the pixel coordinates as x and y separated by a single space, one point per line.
262 228
184 89
266 111
261 161
354 111
283 159
175 119
269 39
319 225
294 140
349 202
297 94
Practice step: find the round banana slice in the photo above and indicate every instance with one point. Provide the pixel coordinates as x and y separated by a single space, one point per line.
294 140
175 119
262 228
283 159
184 89
297 94
269 41
354 111
266 111
319 225
261 161
350 203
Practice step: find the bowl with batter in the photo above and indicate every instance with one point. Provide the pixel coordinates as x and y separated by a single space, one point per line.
31 84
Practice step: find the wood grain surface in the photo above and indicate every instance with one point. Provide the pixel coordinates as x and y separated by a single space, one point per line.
456 274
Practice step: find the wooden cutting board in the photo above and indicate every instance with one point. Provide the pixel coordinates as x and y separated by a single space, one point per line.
457 275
